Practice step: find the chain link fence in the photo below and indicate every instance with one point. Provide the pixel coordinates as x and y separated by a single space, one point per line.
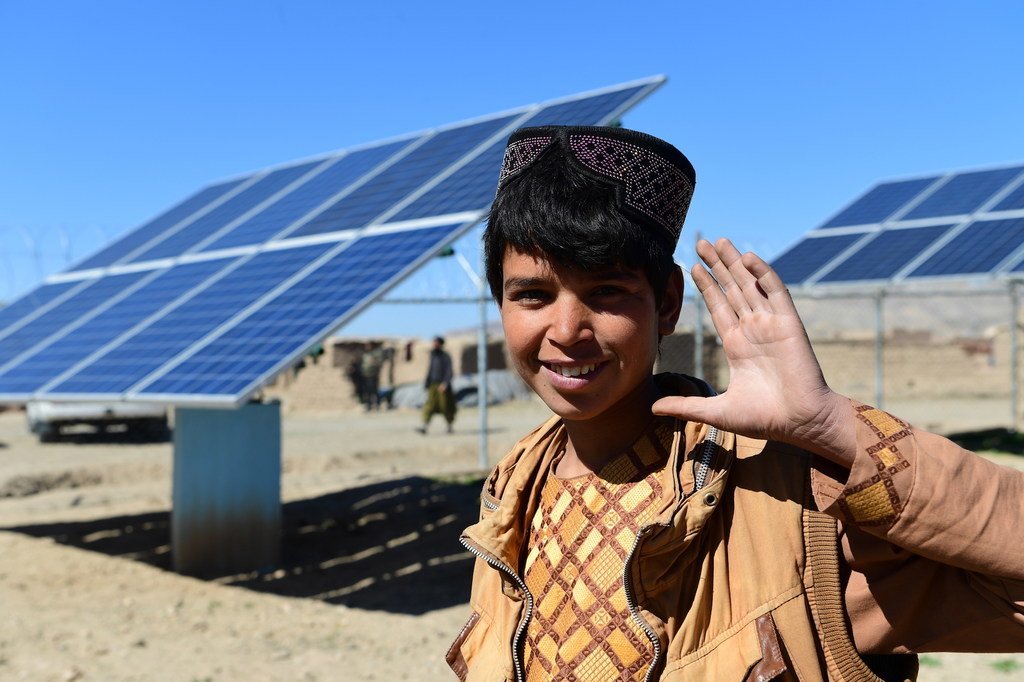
944 360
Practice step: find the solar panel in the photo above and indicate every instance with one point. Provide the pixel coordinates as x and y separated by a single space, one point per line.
398 180
807 257
162 224
131 361
977 249
890 251
209 300
963 194
84 299
51 360
937 226
471 187
880 203
327 185
33 301
282 327
248 199
1014 201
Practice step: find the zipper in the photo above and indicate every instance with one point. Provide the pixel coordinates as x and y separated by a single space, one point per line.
493 561
710 442
627 585
488 505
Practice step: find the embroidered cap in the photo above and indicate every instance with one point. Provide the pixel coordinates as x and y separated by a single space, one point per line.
653 181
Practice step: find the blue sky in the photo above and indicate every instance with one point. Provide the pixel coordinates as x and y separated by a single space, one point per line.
113 111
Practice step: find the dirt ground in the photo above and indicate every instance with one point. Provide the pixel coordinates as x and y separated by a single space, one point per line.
373 583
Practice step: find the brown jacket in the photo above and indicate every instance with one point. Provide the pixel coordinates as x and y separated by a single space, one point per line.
744 578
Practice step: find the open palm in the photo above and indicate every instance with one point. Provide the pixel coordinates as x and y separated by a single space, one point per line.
776 388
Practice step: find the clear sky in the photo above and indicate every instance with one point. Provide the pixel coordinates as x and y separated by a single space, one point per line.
112 111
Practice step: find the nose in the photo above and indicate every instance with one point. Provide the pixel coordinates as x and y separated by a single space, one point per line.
571 322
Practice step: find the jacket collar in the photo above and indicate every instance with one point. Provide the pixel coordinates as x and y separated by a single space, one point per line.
511 492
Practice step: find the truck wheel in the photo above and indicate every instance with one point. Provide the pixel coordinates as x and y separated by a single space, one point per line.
49 433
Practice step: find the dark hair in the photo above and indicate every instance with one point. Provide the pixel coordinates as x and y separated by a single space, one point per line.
556 211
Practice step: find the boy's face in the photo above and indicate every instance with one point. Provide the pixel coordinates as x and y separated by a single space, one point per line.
584 341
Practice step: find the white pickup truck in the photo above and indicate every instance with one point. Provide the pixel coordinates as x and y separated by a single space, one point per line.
46 419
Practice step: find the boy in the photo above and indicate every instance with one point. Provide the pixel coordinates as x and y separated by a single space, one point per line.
651 530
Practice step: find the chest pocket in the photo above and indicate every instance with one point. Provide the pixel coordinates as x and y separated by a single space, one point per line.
753 653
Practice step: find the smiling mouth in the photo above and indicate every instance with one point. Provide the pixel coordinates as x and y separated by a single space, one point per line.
574 371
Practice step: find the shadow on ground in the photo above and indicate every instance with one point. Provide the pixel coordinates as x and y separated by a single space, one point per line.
987 440
389 546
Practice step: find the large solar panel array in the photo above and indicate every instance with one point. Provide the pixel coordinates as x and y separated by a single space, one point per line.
207 302
955 225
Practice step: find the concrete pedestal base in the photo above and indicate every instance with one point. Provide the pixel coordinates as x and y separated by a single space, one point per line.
226 514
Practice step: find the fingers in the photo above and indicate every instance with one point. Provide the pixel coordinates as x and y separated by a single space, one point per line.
692 408
723 316
770 283
747 281
718 257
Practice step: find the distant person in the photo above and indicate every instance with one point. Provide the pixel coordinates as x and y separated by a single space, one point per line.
372 360
387 384
440 399
354 373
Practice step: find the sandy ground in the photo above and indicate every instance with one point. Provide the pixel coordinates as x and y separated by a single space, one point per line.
372 585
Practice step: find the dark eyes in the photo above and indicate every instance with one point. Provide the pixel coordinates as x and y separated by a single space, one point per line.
528 295
608 291
602 292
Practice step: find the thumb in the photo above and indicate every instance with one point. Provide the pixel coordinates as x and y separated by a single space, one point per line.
692 408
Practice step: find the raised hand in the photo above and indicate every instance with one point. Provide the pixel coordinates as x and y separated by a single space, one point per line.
776 389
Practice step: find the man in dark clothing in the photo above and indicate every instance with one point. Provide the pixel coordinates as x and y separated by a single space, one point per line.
439 387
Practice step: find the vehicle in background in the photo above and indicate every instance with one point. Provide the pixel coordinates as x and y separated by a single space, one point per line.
139 421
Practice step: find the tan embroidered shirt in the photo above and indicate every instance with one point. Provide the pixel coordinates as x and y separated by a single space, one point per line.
581 534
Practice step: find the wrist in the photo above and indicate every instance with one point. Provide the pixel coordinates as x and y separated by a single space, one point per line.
832 433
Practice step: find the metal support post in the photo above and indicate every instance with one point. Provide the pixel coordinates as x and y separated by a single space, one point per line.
1014 353
481 366
227 489
698 324
880 349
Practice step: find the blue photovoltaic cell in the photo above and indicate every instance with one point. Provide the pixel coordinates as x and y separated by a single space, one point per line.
880 202
64 313
471 188
808 256
60 356
184 239
284 326
886 254
154 228
296 204
121 367
963 194
1012 201
31 302
979 248
396 182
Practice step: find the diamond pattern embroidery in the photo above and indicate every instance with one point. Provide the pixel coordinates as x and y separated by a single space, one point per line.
875 502
580 536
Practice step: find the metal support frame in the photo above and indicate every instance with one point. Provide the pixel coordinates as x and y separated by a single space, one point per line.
226 496
1014 353
481 300
880 349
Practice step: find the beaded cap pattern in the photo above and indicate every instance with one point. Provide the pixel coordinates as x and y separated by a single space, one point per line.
653 181
520 154
653 186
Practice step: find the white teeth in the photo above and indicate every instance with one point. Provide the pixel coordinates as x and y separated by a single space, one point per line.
573 371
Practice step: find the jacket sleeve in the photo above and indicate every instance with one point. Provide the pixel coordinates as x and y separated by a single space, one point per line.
933 538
